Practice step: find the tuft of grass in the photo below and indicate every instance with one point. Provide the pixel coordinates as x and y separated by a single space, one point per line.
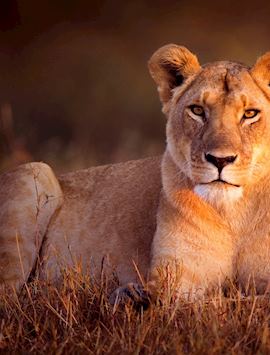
76 318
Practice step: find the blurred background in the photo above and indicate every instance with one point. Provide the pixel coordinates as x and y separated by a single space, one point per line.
74 85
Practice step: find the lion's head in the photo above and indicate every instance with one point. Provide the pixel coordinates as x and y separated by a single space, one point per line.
218 129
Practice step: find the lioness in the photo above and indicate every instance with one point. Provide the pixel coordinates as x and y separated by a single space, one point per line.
202 206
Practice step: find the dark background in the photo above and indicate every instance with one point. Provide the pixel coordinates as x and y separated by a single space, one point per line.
74 85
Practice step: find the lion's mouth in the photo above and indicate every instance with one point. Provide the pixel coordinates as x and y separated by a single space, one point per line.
220 181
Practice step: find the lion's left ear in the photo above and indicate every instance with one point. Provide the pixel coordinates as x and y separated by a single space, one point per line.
261 69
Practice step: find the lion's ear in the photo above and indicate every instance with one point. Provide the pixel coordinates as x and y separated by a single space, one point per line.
261 69
170 66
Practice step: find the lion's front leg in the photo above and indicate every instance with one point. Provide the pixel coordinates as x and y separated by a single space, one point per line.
253 266
193 248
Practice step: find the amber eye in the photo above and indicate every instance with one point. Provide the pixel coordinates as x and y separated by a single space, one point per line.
250 113
197 110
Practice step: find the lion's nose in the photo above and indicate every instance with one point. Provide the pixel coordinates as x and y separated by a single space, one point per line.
220 162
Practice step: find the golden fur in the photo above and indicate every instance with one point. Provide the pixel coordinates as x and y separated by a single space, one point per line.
180 210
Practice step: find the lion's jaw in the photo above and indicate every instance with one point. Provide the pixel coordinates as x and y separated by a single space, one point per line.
218 193
219 188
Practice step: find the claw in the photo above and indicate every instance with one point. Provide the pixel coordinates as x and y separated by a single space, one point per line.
132 293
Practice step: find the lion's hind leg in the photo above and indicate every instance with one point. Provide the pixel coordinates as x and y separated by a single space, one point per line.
29 196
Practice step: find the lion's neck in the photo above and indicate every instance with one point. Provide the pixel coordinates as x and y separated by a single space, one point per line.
173 179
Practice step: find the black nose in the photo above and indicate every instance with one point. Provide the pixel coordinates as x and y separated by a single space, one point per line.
220 162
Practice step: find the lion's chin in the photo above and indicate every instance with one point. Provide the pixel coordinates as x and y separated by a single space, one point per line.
218 192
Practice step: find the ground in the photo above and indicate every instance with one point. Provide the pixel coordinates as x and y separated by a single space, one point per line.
76 318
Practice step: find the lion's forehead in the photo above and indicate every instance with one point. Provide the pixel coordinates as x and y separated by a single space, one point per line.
226 77
223 79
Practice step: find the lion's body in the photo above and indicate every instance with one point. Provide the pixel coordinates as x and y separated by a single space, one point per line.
203 208
93 217
108 212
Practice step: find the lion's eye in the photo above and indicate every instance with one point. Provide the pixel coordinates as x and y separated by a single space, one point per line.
250 113
197 110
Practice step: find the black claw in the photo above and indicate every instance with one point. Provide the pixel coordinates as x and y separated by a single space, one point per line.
134 293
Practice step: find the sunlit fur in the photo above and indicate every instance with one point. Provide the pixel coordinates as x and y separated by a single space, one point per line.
181 214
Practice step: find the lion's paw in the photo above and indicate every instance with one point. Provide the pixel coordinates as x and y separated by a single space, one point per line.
131 293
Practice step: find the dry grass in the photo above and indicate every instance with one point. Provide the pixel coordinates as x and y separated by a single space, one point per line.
77 318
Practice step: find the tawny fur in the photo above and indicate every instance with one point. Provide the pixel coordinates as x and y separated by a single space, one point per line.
164 211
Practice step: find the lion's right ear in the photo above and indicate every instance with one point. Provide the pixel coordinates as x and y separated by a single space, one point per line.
170 66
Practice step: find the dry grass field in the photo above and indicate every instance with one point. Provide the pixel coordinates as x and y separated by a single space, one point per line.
77 318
